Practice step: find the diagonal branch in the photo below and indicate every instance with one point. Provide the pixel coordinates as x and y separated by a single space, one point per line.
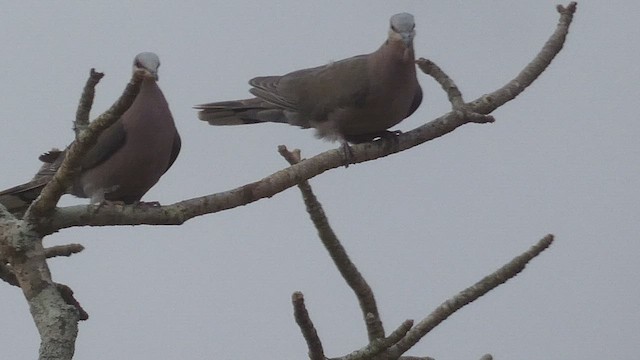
58 185
489 102
470 294
180 212
338 254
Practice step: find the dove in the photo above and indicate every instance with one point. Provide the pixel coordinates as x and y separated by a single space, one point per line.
353 100
128 158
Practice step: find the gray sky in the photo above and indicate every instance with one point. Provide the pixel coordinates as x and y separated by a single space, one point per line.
422 225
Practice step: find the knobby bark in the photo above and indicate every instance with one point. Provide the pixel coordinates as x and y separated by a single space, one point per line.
55 310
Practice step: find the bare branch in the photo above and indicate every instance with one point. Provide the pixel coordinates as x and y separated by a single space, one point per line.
178 213
338 254
58 185
63 250
470 294
448 85
489 102
476 111
309 332
86 102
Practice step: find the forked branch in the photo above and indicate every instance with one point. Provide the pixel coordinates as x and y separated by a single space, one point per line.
338 254
404 337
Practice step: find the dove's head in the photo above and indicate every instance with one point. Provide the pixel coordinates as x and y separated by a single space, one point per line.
147 62
402 28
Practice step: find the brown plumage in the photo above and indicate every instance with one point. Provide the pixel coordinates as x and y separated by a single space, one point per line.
355 99
127 160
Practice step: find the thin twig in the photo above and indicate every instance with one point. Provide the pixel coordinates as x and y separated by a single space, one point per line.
86 102
309 332
58 185
63 250
470 294
338 254
459 107
448 85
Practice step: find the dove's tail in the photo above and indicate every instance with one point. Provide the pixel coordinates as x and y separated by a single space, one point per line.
238 112
18 198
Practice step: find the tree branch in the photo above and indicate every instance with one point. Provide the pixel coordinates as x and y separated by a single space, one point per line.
86 102
338 254
489 102
309 332
178 213
63 250
448 85
470 294
458 105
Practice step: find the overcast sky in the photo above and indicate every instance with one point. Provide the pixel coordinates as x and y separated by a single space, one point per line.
562 158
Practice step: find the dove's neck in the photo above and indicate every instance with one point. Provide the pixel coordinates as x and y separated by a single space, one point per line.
395 51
